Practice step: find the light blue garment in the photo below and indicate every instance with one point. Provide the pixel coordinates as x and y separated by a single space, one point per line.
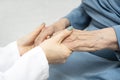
99 65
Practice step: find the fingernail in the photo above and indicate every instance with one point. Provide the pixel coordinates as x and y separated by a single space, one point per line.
70 28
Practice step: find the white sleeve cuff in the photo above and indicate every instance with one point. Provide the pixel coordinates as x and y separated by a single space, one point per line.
30 66
8 56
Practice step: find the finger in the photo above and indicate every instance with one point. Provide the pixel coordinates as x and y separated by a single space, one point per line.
62 35
56 33
36 32
43 35
48 37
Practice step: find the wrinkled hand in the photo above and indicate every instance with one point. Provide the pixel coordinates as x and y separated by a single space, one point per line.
55 51
92 40
50 30
27 42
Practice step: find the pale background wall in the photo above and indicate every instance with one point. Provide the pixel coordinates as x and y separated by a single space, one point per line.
18 17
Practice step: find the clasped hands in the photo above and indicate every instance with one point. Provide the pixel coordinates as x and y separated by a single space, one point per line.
53 48
58 43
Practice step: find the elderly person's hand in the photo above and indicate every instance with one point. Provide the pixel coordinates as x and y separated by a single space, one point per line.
55 51
50 30
92 40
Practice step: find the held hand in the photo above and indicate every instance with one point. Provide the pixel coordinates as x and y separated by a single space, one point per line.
27 42
50 30
92 40
55 51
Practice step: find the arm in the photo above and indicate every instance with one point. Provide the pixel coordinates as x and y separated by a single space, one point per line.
78 17
33 64
19 62
30 66
92 40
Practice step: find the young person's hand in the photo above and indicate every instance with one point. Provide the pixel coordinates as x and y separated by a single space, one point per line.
28 42
55 51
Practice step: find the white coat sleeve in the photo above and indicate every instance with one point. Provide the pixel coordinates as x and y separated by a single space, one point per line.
31 66
8 55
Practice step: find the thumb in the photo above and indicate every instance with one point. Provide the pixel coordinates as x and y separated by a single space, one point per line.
62 35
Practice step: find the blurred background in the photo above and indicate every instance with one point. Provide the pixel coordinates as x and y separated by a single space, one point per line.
19 17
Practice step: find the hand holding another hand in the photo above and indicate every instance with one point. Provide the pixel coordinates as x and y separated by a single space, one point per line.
55 51
27 42
50 30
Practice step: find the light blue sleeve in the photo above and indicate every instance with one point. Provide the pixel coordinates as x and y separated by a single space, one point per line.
79 18
109 74
117 31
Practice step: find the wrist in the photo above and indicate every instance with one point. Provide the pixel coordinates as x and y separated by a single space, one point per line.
65 22
19 48
114 41
109 36
45 48
23 48
61 24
